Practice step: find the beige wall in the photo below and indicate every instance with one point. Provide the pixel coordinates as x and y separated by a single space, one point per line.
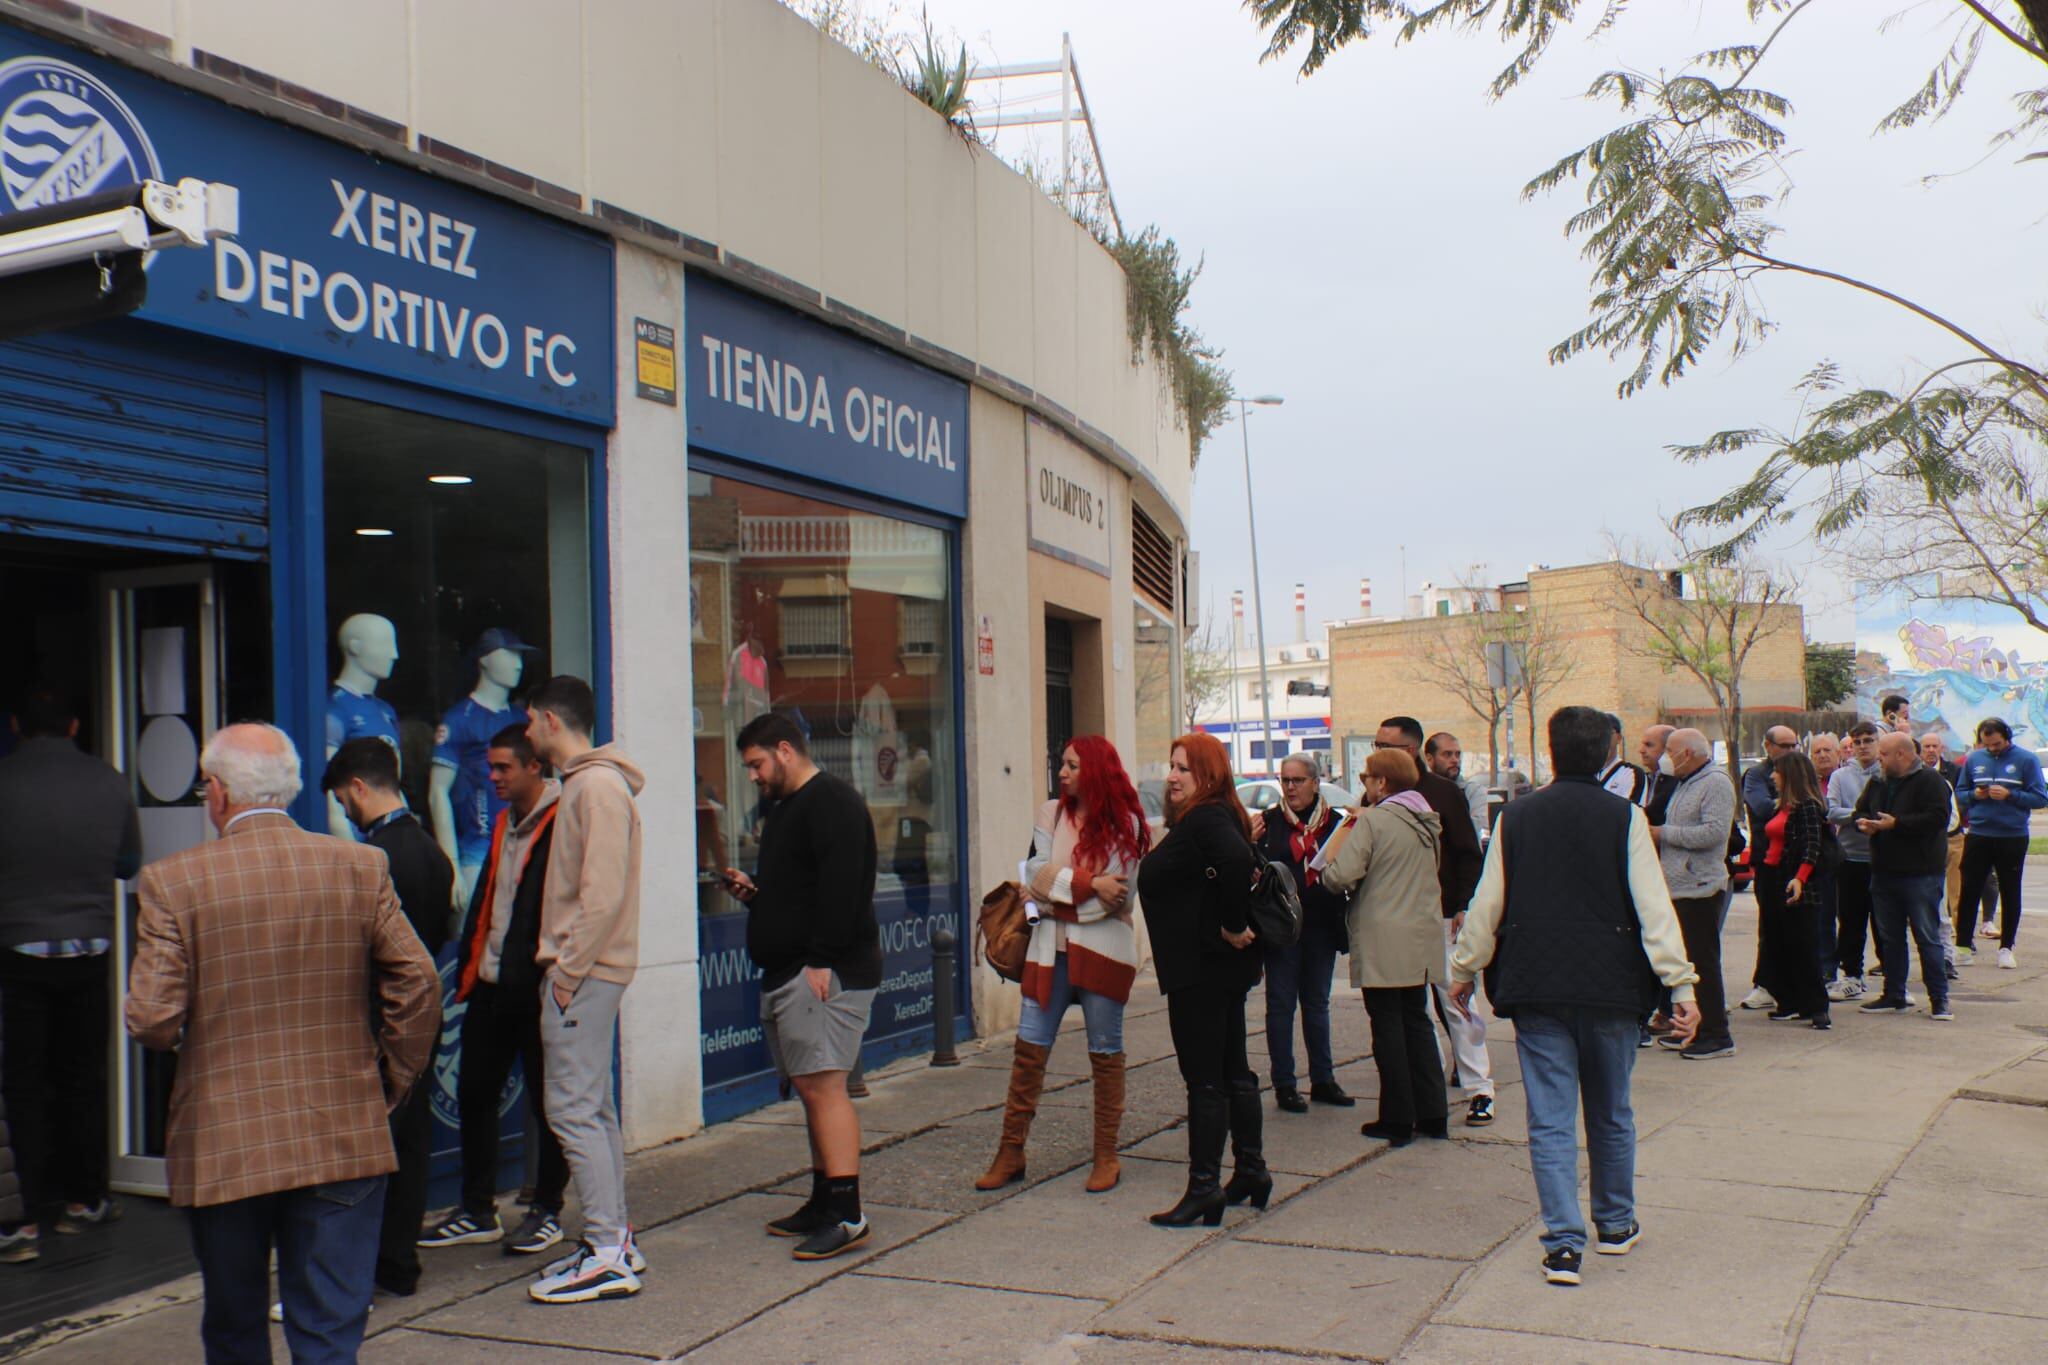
1374 671
734 122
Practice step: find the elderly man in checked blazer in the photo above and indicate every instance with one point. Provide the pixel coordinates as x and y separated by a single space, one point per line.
302 1007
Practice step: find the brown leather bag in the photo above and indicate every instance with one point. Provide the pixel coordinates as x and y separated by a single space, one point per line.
1004 936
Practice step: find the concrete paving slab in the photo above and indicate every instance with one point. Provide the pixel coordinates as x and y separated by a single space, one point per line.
730 1159
1318 1143
1103 1350
1911 1249
409 1347
1064 1061
1155 1088
1058 1239
857 1317
1239 1293
1454 1200
1820 1208
1972 1146
2024 1082
1438 1345
1843 1331
1666 1292
1770 1158
707 1274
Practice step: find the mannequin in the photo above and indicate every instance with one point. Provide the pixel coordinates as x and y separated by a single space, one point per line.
460 795
369 651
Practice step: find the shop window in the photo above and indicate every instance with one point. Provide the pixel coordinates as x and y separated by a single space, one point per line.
841 620
458 576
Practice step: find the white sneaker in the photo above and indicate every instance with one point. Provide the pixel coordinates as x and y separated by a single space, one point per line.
1846 988
592 1277
1759 999
2006 959
1965 957
1989 929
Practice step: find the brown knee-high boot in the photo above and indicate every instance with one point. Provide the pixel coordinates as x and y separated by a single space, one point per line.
1027 1079
1109 1118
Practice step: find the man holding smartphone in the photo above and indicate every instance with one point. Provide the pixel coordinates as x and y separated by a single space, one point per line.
2000 789
811 930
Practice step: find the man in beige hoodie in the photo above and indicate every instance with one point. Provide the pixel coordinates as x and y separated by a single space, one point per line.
589 946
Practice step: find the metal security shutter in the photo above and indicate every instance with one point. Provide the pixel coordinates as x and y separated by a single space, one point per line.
1151 561
123 434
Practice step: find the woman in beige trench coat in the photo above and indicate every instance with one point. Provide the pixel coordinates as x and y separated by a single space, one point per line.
1390 855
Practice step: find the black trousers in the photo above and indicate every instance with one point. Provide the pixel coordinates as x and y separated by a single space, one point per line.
1852 917
1699 919
1983 855
1405 1054
405 1193
54 1014
1207 1023
497 1030
1789 936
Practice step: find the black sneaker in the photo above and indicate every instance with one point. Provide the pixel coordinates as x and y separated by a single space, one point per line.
810 1219
1329 1092
1289 1099
1480 1113
1885 1004
1561 1266
830 1240
537 1232
462 1230
1700 1050
1618 1241
1943 1013
1785 1016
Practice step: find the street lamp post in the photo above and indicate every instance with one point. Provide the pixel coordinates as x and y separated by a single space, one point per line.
1258 597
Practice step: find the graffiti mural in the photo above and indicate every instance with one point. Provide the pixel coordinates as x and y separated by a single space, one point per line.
1959 662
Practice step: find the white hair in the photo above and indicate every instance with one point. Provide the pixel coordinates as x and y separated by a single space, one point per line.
1306 758
1691 741
257 763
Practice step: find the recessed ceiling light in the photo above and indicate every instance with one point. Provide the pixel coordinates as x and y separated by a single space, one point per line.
449 478
374 531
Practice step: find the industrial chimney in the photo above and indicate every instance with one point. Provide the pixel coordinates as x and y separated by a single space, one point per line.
1301 613
1365 598
1237 621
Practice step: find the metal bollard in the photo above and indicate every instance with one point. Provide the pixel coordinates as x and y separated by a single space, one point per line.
945 948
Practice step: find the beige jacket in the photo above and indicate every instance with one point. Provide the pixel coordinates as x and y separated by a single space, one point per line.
590 903
1396 915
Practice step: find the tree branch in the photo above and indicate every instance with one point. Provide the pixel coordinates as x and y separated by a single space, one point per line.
1999 26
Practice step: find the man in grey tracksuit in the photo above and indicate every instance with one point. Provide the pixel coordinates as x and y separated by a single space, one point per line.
1692 845
1852 878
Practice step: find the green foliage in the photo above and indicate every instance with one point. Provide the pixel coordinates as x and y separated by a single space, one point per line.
940 82
1157 293
1830 675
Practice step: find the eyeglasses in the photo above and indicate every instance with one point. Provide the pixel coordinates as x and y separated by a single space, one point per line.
1295 781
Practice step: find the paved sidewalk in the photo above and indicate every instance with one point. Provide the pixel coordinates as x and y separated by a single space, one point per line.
1873 1194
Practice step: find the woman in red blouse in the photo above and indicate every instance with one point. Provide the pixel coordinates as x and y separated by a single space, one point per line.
1788 924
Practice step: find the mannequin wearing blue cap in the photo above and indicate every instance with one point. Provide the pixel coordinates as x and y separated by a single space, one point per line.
460 796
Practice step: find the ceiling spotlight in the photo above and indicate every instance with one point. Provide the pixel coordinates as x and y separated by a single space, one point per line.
374 531
450 478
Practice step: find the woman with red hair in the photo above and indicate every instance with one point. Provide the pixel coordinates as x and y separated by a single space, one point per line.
1196 888
1084 846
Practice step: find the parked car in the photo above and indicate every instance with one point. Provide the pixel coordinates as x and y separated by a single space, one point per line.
1263 794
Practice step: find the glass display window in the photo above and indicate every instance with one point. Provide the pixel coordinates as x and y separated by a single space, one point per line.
842 619
458 576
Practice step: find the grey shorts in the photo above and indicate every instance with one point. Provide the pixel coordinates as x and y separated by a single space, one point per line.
807 1035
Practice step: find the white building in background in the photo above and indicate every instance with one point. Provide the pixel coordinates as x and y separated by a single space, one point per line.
1298 672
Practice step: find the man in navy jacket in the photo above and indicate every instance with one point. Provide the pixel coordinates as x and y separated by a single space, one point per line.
1999 789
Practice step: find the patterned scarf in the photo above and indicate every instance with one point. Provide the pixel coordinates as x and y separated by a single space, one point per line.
1306 836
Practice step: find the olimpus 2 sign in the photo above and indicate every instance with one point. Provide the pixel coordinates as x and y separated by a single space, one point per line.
773 388
341 257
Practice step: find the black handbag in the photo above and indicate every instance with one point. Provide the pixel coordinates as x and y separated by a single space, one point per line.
1273 907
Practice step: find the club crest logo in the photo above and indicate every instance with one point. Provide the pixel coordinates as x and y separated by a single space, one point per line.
447 1064
64 135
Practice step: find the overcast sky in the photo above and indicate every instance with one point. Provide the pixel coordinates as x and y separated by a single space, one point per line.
1369 258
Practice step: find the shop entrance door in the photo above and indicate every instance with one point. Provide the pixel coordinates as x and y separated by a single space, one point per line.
159 704
1059 697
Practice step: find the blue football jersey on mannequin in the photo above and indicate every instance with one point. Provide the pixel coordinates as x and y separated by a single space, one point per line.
463 743
351 715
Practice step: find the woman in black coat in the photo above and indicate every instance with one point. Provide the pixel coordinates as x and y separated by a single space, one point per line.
1787 918
1195 890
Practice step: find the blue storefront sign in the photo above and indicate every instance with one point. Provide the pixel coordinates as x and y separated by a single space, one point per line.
770 387
341 257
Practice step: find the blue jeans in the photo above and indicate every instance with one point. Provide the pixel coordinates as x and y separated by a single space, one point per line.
326 1239
1103 1016
1899 901
1300 976
1569 1057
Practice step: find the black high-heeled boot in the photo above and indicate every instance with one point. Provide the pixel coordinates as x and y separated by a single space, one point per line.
1250 1181
1208 1126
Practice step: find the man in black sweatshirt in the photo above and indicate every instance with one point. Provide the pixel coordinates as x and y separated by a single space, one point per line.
1905 811
811 930
363 778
